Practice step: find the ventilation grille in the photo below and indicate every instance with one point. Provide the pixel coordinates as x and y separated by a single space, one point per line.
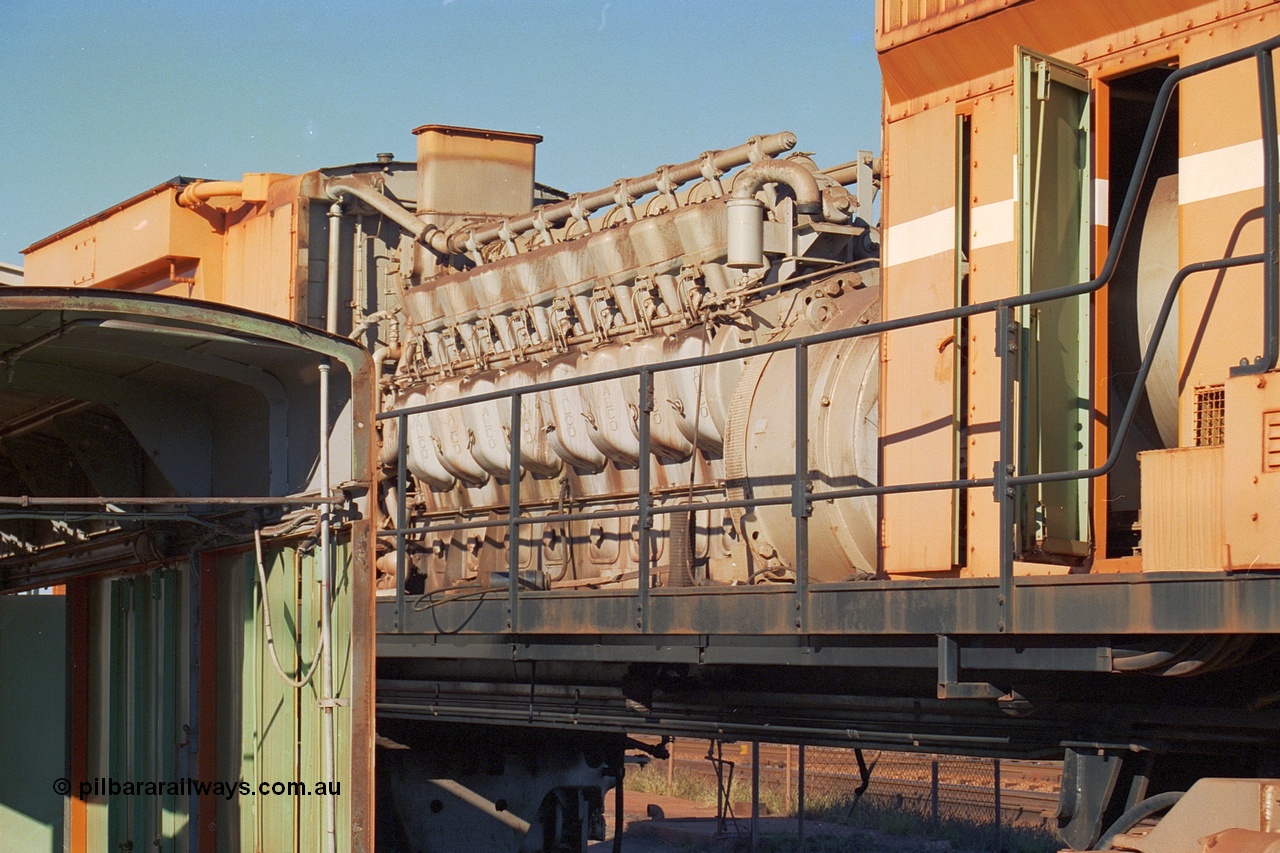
1271 441
1211 408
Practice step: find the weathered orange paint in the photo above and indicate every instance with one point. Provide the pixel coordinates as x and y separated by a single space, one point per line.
940 59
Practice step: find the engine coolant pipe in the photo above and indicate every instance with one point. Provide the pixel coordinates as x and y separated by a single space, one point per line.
422 232
711 163
746 212
326 535
200 192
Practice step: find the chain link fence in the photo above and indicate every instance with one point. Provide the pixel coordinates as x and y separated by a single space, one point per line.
988 795
937 787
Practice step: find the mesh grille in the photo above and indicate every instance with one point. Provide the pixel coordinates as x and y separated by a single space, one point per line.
1210 416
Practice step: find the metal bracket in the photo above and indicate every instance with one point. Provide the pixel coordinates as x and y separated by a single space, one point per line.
949 684
866 183
1088 781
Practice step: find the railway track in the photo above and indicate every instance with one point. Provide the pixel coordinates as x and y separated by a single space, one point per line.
965 787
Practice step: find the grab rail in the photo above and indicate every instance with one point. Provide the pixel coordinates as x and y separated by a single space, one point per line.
1005 478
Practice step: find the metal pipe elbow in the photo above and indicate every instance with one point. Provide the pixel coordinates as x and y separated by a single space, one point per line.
422 232
200 192
802 182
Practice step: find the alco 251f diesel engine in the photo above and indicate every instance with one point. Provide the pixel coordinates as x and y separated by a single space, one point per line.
637 273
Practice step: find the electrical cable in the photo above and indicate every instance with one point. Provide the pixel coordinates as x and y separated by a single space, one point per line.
266 623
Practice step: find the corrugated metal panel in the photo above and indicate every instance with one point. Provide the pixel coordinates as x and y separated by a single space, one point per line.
1182 509
143 725
276 736
899 21
144 684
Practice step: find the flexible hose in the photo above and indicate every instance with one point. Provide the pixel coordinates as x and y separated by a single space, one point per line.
1144 809
266 623
1190 659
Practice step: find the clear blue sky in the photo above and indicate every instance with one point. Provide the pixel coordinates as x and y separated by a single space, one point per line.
102 100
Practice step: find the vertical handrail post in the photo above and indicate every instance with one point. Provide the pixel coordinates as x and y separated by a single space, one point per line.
513 520
1270 211
1008 331
1270 223
800 486
402 490
644 522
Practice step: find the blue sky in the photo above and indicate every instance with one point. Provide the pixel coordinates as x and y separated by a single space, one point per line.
101 100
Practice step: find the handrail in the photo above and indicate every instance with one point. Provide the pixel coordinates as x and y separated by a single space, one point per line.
1004 481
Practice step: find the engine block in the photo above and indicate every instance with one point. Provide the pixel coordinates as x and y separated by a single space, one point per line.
635 286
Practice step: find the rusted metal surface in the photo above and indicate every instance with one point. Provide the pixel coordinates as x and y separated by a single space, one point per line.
132 243
901 21
207 714
951 64
589 299
467 171
119 369
78 642
1251 507
1178 603
708 169
1216 816
1241 841
561 498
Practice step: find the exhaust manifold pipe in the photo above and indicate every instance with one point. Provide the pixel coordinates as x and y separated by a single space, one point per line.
746 213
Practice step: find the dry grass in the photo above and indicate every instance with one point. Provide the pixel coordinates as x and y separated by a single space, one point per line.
963 836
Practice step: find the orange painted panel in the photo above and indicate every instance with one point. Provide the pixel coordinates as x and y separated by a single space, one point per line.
901 21
969 60
916 388
260 260
132 248
1210 343
1205 121
1251 502
992 274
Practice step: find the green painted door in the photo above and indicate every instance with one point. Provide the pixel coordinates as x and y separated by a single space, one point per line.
1053 189
141 743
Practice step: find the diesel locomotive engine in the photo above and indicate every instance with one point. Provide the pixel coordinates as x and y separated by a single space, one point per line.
698 259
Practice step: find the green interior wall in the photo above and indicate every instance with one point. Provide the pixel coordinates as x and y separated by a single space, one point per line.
280 728
33 700
144 704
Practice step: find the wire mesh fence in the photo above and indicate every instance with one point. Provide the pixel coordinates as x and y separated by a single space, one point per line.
985 794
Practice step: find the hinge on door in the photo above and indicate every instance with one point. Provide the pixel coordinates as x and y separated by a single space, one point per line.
1042 80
